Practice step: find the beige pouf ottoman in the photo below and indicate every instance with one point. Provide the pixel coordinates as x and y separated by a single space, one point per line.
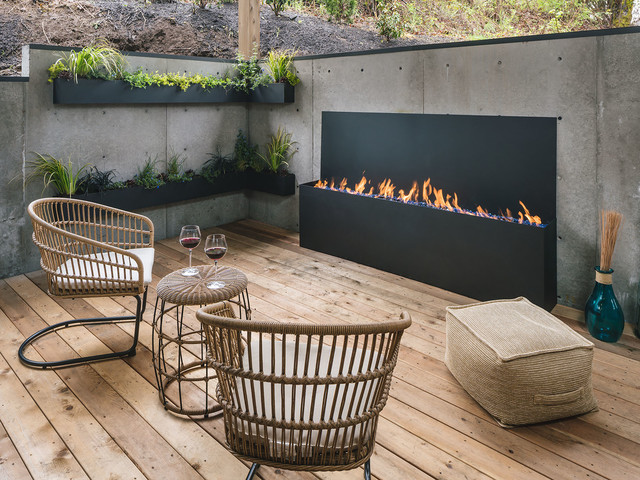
519 362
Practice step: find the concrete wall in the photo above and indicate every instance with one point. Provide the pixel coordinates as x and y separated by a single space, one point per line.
590 82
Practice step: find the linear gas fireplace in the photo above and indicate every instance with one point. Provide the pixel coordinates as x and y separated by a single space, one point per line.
465 203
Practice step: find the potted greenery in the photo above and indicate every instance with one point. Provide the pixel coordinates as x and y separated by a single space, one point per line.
96 75
270 173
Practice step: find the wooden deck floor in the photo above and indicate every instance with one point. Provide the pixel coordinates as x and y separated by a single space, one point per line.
105 420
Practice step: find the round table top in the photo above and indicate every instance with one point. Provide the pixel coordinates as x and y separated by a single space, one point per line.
181 290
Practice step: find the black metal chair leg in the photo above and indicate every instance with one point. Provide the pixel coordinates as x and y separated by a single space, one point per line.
252 470
129 352
367 470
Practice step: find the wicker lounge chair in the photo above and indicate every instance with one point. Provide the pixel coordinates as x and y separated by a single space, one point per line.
89 250
299 396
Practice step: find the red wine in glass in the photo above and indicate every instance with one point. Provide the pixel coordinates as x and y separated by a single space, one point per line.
215 253
215 247
190 238
190 242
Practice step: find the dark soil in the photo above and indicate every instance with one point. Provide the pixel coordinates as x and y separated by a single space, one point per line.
172 27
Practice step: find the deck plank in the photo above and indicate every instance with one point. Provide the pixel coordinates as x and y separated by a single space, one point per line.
431 428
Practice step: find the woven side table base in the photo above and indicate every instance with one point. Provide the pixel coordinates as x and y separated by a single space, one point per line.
519 362
186 383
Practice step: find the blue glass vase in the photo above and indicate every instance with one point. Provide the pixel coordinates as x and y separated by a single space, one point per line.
603 314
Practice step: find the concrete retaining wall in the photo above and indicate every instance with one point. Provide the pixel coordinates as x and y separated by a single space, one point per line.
590 82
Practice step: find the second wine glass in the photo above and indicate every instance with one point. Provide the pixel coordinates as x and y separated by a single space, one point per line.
190 238
215 247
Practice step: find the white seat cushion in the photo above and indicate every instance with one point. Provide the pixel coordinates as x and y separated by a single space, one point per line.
88 267
284 402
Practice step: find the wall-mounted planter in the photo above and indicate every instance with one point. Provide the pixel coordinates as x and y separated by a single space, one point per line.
92 91
135 198
272 183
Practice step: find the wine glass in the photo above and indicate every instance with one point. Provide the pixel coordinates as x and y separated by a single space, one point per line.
215 247
190 238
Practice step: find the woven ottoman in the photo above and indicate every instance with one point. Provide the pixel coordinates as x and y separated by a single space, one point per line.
519 362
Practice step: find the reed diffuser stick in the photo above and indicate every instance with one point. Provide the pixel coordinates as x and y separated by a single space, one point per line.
610 222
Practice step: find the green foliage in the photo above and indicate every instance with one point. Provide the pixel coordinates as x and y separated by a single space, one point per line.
248 75
140 79
100 61
277 5
175 169
217 165
54 172
95 180
281 68
278 152
390 23
341 10
148 176
246 155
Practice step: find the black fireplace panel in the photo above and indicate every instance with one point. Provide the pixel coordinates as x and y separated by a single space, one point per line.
477 257
489 161
494 162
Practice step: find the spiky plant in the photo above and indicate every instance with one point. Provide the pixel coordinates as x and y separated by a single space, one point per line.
94 61
56 173
278 152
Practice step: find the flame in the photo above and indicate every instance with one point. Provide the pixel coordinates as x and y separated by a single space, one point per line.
431 197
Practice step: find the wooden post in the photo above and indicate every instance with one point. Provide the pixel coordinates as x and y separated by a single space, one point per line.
248 28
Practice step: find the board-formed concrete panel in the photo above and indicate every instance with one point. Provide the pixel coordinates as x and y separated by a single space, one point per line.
619 156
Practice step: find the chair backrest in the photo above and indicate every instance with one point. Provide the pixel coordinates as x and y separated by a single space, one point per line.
83 246
301 396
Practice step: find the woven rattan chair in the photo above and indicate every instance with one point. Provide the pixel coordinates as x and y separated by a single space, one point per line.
299 396
89 250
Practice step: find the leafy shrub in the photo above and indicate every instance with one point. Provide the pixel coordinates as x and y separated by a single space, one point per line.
390 24
148 177
280 66
246 155
54 172
341 10
217 165
277 5
248 75
140 79
95 180
278 152
100 61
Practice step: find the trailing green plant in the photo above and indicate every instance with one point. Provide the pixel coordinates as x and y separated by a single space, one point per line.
176 171
95 180
245 155
390 23
99 61
277 5
341 10
248 75
217 165
281 68
148 176
141 79
278 152
53 172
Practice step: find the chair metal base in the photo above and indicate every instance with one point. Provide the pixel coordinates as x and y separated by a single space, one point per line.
129 352
367 470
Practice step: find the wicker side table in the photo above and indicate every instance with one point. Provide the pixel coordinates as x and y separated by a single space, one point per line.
179 348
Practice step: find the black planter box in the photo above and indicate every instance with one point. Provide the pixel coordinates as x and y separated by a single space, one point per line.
93 91
135 198
272 183
478 257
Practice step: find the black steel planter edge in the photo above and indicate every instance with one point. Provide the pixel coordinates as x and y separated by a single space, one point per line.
134 198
